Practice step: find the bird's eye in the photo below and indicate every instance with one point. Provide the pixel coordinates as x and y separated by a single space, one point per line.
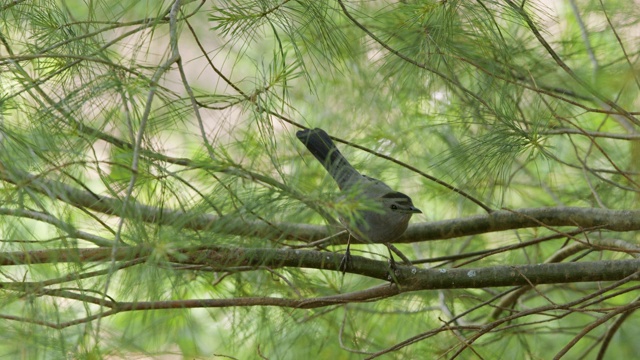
394 207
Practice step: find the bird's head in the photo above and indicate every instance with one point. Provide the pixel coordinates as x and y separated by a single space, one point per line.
398 203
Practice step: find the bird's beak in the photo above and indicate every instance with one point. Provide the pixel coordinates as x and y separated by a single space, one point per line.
415 210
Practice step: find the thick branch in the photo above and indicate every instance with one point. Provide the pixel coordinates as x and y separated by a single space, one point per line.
616 220
407 278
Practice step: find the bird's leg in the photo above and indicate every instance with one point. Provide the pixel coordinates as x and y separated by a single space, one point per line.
345 263
402 256
392 261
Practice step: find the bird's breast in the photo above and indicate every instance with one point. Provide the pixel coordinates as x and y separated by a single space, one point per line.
372 227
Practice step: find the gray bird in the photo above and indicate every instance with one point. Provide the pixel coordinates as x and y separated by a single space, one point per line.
386 212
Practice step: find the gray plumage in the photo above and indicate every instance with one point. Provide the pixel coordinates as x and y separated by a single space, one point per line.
390 210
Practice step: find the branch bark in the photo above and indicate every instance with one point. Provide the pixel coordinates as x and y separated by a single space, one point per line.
501 220
407 278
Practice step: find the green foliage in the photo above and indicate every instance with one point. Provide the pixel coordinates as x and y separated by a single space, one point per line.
110 140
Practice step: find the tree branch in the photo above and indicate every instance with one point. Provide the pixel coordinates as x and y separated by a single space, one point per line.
407 278
501 220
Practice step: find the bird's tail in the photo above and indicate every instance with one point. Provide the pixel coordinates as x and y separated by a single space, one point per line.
322 147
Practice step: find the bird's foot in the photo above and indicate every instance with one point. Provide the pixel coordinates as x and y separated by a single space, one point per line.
393 266
392 275
345 263
391 272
